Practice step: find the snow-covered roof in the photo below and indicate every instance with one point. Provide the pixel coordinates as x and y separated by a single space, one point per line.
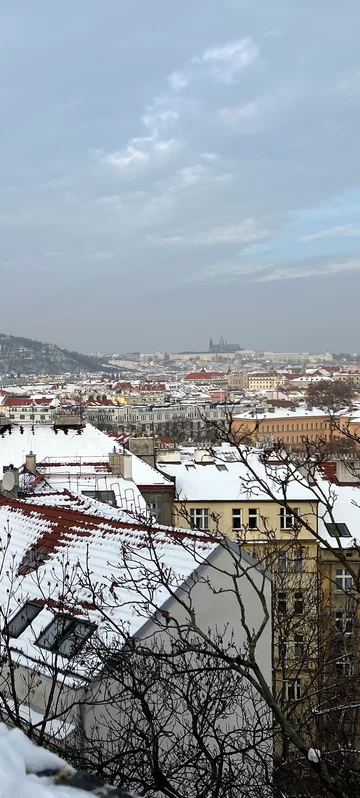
92 445
228 478
88 535
345 509
281 412
81 477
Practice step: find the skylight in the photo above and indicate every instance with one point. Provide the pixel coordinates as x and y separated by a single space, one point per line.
22 619
338 530
65 635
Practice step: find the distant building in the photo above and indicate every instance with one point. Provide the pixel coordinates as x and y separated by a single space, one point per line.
223 347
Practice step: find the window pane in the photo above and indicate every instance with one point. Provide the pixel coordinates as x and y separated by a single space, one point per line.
22 619
75 637
298 560
298 604
49 637
282 561
236 519
252 518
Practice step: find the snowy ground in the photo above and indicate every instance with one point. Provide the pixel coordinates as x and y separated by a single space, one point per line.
21 766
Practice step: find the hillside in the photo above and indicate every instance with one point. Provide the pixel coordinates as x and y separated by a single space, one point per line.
20 356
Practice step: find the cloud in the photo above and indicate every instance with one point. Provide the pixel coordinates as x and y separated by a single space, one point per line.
143 153
341 230
223 64
156 120
317 270
244 233
236 116
190 175
177 80
227 62
210 156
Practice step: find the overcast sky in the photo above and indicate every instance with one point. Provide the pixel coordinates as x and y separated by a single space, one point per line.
175 170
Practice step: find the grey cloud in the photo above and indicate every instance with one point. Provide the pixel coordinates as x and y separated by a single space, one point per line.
340 230
313 268
193 178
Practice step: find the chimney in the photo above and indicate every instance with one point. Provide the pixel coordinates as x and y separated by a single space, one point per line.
30 462
143 448
121 464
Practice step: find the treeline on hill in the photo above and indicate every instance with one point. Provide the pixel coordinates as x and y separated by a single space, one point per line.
19 355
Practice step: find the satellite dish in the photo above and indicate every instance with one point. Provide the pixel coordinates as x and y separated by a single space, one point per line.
8 480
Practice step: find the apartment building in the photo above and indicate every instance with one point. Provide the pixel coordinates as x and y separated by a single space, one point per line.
313 601
214 492
153 419
36 409
238 380
264 380
290 426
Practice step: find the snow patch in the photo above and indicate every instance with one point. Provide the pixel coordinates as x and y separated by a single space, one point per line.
314 755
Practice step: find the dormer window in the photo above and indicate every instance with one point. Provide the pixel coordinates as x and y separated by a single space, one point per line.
65 635
22 619
338 530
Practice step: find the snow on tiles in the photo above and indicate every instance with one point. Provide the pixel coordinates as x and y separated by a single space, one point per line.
46 536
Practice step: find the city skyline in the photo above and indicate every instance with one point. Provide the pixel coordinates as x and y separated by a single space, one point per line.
165 166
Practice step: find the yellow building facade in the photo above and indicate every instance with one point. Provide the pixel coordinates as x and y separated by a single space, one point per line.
291 427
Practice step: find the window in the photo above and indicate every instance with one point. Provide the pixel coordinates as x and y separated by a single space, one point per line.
287 518
343 580
282 603
338 530
189 465
282 561
298 603
253 518
344 623
200 518
345 666
65 635
221 467
283 649
299 646
236 518
22 619
154 505
293 689
298 560
107 496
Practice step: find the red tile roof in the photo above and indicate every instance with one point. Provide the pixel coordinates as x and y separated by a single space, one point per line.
59 524
204 375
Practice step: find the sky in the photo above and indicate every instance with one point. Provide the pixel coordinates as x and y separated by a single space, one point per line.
175 171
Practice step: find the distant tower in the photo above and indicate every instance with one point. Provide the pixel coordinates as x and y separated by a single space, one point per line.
211 345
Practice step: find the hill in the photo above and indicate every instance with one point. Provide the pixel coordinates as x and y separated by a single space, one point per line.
20 356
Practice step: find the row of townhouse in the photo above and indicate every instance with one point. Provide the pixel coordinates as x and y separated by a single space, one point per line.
150 419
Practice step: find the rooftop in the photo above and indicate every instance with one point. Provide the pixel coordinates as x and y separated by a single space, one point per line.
91 445
83 535
227 478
